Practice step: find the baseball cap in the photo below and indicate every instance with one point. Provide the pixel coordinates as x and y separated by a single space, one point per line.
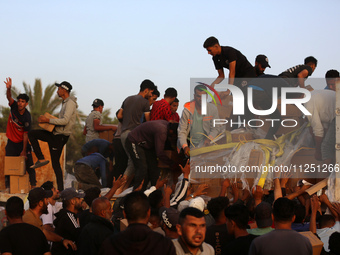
263 215
170 217
182 205
197 203
98 102
38 194
48 185
70 193
263 60
65 85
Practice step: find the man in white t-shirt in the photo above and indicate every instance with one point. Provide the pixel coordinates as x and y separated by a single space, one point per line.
53 206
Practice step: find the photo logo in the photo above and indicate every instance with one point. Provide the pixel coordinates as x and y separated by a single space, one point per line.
207 91
239 104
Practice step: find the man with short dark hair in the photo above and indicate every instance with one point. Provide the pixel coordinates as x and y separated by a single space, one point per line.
192 121
191 229
19 123
232 59
161 110
174 107
53 206
98 229
61 132
93 123
261 63
296 75
322 121
282 240
20 238
217 234
263 218
130 115
237 222
66 222
138 238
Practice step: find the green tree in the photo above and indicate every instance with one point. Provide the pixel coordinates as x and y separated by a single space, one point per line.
4 118
106 119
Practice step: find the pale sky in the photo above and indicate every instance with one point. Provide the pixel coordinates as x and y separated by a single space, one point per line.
105 49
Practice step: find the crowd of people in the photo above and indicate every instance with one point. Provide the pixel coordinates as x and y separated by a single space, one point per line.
163 218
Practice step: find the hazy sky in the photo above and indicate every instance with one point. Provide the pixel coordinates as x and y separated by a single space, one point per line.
106 48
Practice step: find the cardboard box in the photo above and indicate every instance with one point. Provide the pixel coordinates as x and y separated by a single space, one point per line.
224 110
19 184
317 244
15 165
315 188
107 135
47 126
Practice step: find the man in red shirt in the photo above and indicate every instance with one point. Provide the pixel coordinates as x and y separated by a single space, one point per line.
18 125
161 109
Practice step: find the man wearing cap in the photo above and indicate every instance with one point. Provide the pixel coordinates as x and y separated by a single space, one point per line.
66 222
38 200
62 131
169 217
261 63
18 125
93 123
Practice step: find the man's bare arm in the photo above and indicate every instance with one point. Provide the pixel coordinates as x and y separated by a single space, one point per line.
219 78
232 72
301 77
8 83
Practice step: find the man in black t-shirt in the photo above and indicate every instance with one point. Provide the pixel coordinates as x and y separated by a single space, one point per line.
19 237
237 221
296 75
232 59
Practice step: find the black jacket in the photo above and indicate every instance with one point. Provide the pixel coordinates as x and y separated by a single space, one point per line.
66 225
137 239
93 235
